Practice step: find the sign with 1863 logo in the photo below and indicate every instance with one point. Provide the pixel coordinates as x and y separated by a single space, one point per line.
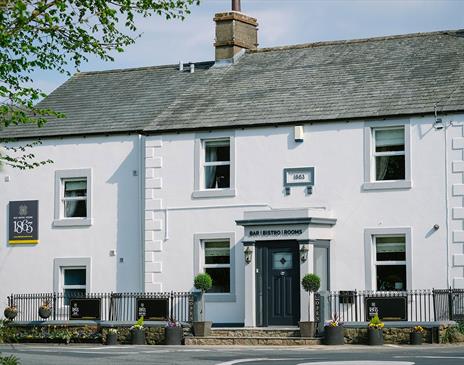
154 309
23 222
387 308
85 308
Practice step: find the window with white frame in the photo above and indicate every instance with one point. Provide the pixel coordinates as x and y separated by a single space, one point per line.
389 153
216 164
74 198
216 263
390 262
73 195
74 282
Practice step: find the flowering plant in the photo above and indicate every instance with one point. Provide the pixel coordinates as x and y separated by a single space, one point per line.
113 331
376 323
418 329
335 321
172 323
138 325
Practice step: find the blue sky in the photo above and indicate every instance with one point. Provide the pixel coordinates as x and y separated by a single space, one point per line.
281 22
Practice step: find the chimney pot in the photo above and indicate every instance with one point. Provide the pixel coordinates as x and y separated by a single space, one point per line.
236 5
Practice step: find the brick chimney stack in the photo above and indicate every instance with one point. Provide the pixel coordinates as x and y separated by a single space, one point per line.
234 31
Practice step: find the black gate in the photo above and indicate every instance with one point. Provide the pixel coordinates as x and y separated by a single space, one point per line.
449 304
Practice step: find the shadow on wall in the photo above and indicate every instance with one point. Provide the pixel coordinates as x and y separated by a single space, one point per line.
128 257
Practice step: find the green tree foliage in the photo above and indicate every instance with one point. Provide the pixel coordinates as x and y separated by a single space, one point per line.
58 35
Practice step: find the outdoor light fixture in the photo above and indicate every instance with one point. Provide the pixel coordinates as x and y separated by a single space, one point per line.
304 253
248 255
438 124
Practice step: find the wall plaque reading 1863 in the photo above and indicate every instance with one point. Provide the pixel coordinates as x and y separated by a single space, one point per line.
388 308
299 176
154 309
85 308
23 222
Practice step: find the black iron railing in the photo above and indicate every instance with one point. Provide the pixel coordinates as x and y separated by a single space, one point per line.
449 304
413 305
114 306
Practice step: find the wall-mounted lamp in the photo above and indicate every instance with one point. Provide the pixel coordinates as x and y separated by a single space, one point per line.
438 124
304 253
248 254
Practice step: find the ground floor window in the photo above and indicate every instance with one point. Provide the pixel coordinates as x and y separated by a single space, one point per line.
74 282
217 264
390 262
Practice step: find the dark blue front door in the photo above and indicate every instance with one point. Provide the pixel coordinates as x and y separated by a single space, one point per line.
277 279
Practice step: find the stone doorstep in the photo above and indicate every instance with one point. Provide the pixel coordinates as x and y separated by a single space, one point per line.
252 341
235 333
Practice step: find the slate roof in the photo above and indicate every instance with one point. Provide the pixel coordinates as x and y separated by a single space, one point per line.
326 81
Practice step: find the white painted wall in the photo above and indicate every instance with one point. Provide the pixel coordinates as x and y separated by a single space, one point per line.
336 151
116 217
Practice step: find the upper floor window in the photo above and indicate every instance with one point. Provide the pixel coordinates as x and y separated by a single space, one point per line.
214 165
73 197
217 164
389 154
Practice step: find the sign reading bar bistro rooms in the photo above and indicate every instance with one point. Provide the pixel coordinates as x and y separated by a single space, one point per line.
23 222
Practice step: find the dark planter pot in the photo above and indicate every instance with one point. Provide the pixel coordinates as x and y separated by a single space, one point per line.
44 312
10 313
138 337
112 339
334 335
174 335
415 338
307 329
202 329
374 337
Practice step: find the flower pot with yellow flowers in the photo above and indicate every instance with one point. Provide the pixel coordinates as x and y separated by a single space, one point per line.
375 332
417 335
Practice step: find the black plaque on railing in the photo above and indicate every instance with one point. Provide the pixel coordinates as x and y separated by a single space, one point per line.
85 308
388 308
153 309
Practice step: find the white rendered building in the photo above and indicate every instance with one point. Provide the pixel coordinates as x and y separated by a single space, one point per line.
340 158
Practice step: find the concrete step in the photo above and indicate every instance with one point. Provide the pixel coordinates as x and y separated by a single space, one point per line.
252 341
255 332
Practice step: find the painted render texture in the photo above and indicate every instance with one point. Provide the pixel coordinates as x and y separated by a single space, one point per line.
138 131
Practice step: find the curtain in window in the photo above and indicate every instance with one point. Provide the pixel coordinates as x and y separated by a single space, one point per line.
382 166
210 171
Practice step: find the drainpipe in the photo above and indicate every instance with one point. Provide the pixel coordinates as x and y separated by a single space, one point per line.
141 198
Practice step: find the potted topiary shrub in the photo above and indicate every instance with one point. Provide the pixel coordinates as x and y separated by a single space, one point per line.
333 331
375 332
416 335
311 283
174 333
202 282
138 332
45 310
10 312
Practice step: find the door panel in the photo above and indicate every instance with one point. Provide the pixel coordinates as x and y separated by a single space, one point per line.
277 282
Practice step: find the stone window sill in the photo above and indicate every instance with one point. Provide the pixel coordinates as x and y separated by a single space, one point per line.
214 193
387 185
